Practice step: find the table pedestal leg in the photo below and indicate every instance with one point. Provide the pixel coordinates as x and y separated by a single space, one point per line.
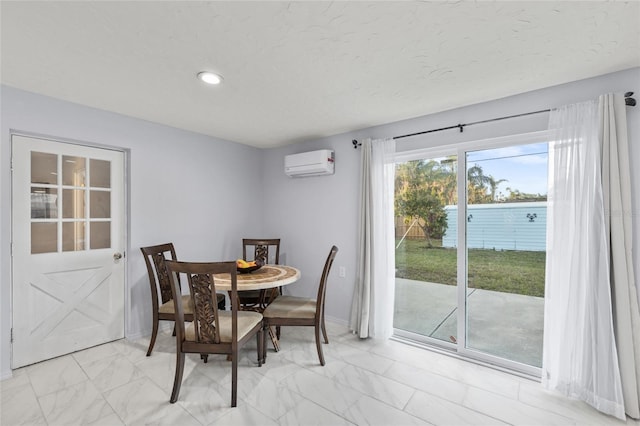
274 339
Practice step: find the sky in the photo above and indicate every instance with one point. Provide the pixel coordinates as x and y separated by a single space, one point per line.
523 166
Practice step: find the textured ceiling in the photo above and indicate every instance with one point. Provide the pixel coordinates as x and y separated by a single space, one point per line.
295 71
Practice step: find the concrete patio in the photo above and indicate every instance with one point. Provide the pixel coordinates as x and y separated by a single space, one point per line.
502 324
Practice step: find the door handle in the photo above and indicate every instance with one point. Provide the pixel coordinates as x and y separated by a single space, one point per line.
117 256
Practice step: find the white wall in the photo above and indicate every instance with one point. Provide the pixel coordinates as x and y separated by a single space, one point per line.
313 213
201 193
310 214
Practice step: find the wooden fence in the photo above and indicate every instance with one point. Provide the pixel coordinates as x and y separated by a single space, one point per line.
402 226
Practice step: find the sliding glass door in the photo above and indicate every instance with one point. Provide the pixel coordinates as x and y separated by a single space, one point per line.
470 275
426 270
506 248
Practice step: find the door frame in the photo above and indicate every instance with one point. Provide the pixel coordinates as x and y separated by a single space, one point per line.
460 149
126 180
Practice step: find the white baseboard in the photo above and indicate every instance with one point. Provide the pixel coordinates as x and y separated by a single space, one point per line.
6 375
337 320
146 333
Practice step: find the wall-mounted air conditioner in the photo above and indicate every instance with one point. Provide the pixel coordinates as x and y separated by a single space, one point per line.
313 163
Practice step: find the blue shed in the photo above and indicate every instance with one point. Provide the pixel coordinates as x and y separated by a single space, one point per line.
505 226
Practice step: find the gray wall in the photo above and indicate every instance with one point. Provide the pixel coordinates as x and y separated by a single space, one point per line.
183 186
312 213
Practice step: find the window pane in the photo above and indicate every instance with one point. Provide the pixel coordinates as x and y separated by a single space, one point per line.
100 235
73 236
73 171
73 203
44 203
100 202
44 168
100 174
44 237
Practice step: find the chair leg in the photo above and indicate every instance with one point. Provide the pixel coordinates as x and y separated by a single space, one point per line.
274 339
234 380
324 332
319 344
154 334
177 381
264 342
260 341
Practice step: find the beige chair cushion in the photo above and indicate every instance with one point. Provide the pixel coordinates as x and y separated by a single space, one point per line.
291 307
167 308
246 321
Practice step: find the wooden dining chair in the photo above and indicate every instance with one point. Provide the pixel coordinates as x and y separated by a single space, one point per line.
300 311
162 307
258 299
212 331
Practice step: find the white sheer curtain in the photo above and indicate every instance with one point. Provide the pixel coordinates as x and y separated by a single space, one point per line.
616 183
579 356
373 298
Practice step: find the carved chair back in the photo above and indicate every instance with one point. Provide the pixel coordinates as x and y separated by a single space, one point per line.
155 258
202 287
261 249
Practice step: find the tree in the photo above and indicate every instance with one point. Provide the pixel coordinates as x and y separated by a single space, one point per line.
493 185
481 188
421 203
420 193
516 196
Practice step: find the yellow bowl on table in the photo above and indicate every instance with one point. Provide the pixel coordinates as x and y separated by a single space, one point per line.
245 267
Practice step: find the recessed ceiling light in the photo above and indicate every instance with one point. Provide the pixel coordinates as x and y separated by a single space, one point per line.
209 77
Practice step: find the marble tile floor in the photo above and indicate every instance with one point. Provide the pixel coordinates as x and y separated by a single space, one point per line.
364 382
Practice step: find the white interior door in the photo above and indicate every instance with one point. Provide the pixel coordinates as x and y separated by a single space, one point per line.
67 248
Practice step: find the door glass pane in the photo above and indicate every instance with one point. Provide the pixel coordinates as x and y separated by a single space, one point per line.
44 168
100 173
44 203
100 202
44 237
73 203
73 171
100 235
426 254
506 249
73 236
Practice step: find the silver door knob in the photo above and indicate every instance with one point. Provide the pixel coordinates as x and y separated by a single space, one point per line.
117 256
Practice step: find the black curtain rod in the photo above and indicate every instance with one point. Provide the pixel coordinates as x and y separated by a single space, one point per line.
462 126
629 101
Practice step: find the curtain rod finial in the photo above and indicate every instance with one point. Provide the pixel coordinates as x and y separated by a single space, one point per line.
628 100
355 144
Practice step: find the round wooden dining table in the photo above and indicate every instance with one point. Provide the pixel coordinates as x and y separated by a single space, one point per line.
265 278
268 276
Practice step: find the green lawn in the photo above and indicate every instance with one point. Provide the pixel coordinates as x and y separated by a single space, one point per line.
520 272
